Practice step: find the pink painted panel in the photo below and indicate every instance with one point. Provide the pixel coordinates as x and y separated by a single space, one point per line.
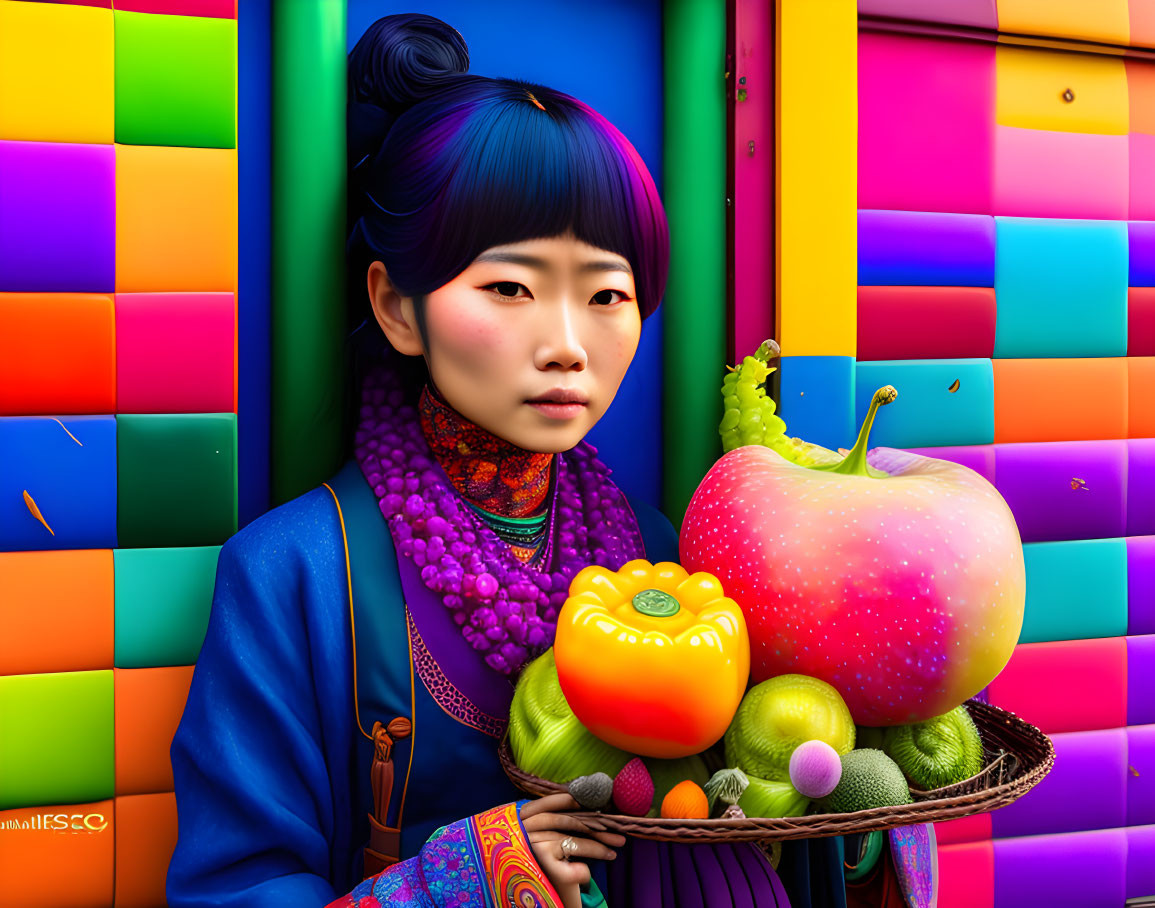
1142 169
975 13
925 124
174 352
966 875
753 177
216 9
1091 674
1040 173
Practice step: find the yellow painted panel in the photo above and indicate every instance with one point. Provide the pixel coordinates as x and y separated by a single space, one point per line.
1087 20
1032 88
56 73
817 177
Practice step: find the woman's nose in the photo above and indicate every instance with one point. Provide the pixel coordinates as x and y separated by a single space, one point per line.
561 346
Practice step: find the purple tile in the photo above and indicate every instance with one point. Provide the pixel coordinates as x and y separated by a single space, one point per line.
1071 870
1141 486
980 458
1140 862
57 217
1141 239
1065 489
1141 776
1087 789
1141 680
1141 585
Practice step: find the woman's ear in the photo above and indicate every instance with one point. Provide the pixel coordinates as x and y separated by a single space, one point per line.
394 312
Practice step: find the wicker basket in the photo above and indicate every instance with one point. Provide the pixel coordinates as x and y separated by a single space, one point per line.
1019 756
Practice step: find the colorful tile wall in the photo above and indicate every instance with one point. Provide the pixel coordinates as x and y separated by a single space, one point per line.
1066 179
118 424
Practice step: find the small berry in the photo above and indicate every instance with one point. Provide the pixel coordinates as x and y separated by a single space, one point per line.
634 789
685 801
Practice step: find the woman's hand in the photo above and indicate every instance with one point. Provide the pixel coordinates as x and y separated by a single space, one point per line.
547 827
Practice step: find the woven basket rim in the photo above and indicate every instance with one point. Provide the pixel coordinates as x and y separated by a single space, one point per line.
1003 733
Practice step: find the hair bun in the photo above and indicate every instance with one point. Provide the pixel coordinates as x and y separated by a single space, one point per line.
404 58
400 60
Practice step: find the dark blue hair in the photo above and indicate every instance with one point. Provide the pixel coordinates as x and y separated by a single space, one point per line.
444 165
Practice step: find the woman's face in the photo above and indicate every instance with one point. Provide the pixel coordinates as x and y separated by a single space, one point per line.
530 342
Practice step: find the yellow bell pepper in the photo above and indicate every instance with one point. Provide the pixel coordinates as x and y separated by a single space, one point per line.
652 659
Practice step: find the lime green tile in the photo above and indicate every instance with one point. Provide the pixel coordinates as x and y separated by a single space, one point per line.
56 739
176 80
163 597
176 479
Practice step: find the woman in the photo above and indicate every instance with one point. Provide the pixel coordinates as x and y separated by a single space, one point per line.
364 638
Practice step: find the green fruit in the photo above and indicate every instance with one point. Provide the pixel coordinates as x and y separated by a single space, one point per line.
938 752
767 798
778 715
748 413
545 736
870 779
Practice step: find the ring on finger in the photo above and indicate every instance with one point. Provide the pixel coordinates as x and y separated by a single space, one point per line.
569 848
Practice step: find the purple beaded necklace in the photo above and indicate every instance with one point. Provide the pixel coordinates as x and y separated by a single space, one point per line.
507 610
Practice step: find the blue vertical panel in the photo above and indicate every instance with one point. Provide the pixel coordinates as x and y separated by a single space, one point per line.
817 399
609 55
254 108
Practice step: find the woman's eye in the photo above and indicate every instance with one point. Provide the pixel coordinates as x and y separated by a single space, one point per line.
509 289
605 297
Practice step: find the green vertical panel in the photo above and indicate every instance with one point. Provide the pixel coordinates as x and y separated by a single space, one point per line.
308 243
56 739
694 185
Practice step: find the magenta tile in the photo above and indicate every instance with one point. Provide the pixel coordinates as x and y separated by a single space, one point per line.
1070 870
1065 489
1087 789
973 13
1039 173
218 9
1142 194
1141 585
925 120
57 217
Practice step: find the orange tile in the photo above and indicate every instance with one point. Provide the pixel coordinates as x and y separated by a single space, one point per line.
57 354
56 609
176 218
145 839
57 857
1060 399
149 704
1141 397
1142 24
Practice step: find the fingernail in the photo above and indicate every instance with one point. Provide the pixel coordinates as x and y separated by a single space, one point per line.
613 854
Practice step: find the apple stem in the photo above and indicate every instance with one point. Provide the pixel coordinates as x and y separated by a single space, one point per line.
854 463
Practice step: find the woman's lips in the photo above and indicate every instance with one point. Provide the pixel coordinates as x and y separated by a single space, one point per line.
560 403
557 410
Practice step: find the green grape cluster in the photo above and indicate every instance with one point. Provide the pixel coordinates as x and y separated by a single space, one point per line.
749 416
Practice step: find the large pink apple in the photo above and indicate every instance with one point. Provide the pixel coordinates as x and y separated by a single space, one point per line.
900 583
